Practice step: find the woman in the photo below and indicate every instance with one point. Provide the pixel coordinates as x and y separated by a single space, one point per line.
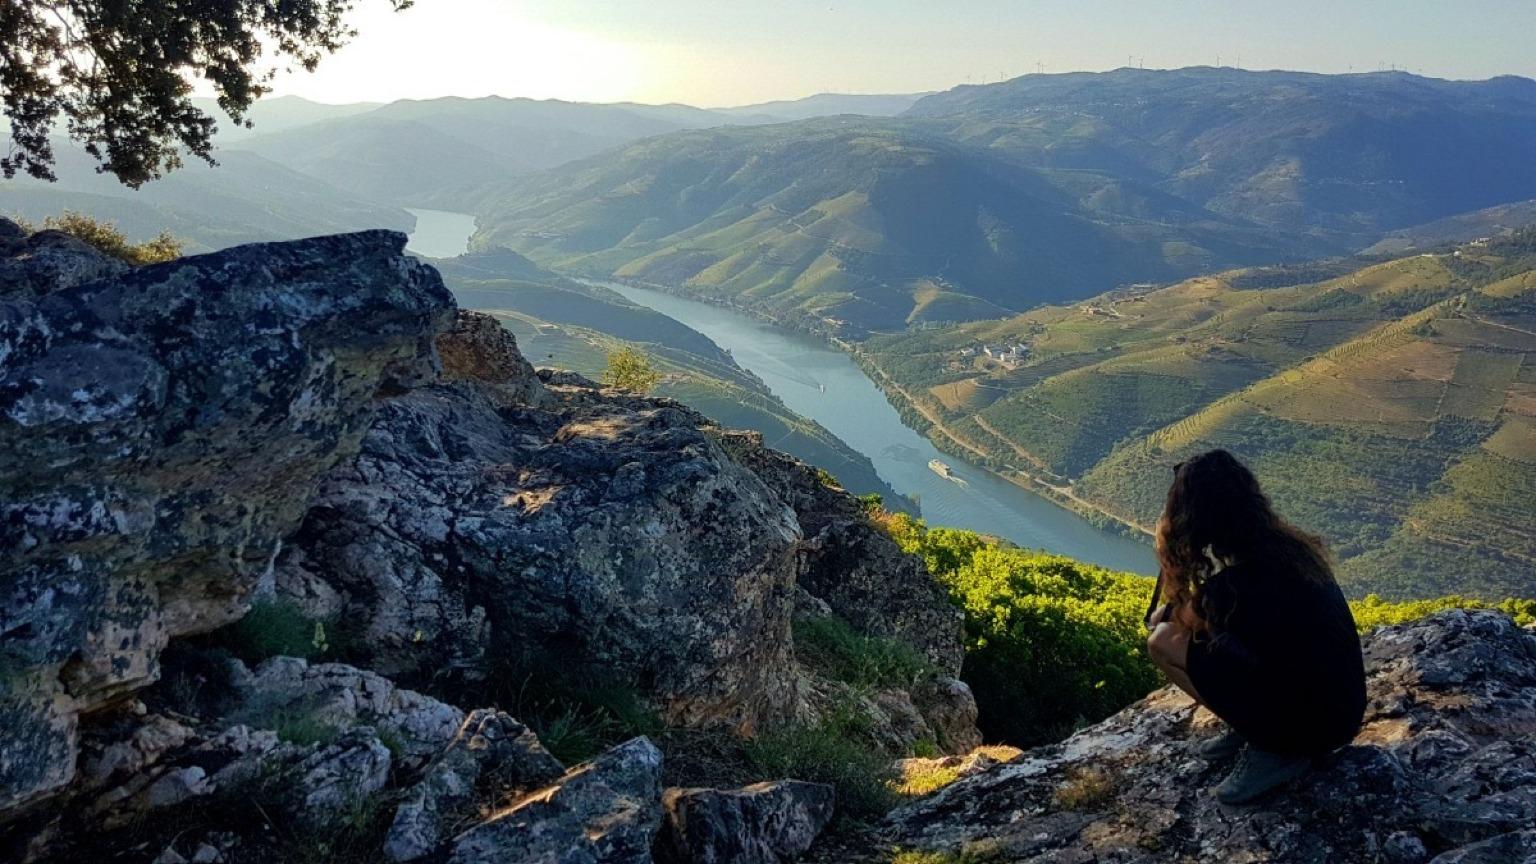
1253 626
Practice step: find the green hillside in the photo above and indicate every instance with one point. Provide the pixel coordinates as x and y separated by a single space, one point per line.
566 324
1391 407
857 225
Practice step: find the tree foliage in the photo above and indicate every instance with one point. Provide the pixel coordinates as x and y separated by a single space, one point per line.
116 74
1051 643
629 369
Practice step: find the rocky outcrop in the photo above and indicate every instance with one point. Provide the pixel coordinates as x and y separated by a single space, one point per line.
608 532
312 423
161 431
1444 770
505 515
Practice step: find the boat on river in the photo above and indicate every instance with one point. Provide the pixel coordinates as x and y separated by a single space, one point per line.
943 470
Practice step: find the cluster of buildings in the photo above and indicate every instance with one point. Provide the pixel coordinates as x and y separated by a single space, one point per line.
1009 355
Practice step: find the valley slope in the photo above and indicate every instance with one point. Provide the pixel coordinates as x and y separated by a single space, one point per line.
1390 406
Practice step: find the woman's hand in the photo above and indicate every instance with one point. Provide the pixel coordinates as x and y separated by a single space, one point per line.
1158 616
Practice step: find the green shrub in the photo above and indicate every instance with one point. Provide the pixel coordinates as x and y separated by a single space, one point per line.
1373 612
277 628
832 648
109 240
629 369
1051 643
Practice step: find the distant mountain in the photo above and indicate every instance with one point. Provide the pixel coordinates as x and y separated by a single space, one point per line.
245 199
278 114
1345 154
827 105
427 152
872 223
1390 406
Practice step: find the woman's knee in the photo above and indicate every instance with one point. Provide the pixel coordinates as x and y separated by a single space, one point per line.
1168 644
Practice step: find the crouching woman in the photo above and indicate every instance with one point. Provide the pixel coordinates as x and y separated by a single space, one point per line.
1253 626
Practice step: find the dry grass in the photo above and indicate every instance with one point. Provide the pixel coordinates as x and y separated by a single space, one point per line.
1085 789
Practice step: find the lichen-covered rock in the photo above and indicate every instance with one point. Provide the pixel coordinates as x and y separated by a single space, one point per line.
852 565
492 756
765 823
161 430
339 696
613 533
606 811
1444 768
949 708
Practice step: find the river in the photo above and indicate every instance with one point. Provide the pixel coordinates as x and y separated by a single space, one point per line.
439 233
825 385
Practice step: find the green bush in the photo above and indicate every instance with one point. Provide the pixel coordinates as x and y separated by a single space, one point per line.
629 369
832 648
1373 612
277 628
1051 643
108 239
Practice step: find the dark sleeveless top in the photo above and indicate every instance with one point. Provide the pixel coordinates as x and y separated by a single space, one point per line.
1282 663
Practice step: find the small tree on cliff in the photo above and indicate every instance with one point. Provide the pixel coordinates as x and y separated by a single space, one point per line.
117 75
631 370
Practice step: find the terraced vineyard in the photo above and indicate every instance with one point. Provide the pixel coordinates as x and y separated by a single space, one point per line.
1392 407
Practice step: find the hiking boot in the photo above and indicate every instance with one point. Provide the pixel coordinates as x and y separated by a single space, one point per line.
1223 745
1258 772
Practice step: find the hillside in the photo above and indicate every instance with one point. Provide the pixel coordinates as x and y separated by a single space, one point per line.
1390 407
1348 155
566 324
853 224
245 199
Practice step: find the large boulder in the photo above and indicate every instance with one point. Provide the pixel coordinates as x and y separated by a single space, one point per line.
604 812
491 757
162 429
1444 769
591 530
765 823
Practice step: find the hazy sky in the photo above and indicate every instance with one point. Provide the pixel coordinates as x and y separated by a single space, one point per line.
729 52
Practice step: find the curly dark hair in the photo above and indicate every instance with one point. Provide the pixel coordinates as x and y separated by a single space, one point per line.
1216 515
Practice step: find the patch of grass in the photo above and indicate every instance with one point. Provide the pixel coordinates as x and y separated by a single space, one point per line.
832 752
917 781
577 711
296 724
1084 789
832 648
